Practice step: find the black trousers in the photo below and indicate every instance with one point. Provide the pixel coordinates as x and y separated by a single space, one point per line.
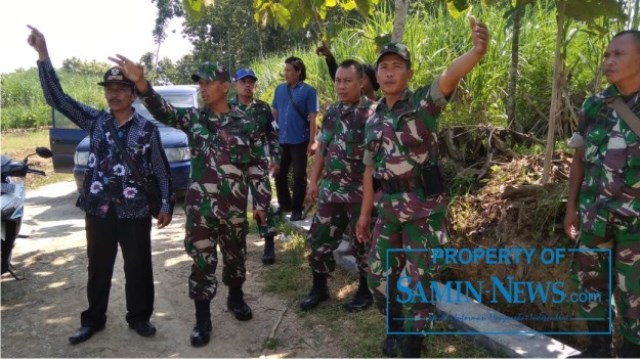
292 156
134 237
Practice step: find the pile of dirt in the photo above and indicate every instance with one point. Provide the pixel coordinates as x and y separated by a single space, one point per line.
508 207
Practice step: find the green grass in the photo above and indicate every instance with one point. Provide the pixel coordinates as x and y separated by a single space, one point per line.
360 334
17 144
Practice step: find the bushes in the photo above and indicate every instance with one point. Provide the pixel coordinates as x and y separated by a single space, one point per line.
23 105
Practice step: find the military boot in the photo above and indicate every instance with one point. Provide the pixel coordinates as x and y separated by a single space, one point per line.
319 292
601 344
202 331
411 346
392 342
236 304
363 298
269 256
629 350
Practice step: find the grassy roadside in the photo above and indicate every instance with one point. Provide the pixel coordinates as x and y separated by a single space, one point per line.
17 144
361 334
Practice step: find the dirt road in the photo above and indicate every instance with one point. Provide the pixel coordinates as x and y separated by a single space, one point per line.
40 312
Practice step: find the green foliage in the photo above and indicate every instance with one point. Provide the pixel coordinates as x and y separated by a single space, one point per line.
23 105
298 14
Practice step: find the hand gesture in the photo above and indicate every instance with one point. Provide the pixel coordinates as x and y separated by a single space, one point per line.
312 193
312 147
480 35
260 215
362 229
163 219
571 225
323 50
36 40
274 169
132 70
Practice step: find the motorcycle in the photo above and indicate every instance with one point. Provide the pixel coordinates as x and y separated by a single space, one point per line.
12 175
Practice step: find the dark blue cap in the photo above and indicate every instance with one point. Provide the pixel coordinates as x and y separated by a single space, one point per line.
244 72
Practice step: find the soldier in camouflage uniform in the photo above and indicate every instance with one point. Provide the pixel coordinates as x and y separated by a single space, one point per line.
398 139
603 208
227 157
260 112
341 141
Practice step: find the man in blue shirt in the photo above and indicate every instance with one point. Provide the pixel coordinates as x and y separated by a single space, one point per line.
295 106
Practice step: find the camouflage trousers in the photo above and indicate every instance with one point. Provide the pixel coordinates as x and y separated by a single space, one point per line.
591 270
414 240
201 240
329 224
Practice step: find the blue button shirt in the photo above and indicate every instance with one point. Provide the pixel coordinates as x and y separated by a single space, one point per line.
293 128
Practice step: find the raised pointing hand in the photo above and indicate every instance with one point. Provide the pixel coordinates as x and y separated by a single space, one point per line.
132 70
36 40
480 35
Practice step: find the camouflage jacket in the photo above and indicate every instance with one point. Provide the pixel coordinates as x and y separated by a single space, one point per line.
396 141
227 155
611 157
341 138
266 127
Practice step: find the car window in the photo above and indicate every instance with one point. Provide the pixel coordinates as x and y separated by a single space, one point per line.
62 121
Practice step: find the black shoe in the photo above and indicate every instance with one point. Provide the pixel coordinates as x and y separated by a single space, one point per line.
236 304
83 334
363 298
269 255
314 298
319 292
390 346
296 216
629 350
145 329
358 303
201 334
411 346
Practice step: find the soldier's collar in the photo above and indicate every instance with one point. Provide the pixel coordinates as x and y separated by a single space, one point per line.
406 95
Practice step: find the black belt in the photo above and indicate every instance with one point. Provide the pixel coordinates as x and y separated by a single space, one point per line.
400 185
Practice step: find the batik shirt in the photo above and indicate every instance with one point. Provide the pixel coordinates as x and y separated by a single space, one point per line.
341 138
397 141
611 158
226 157
108 181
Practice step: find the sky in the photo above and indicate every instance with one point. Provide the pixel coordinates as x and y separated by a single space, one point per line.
85 29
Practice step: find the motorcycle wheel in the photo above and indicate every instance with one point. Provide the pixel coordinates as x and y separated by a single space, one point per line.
9 233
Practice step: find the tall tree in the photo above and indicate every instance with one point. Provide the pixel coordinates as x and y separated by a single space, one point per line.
225 31
399 22
582 10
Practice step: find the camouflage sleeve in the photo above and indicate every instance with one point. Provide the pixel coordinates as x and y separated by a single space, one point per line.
577 138
259 184
430 101
367 159
272 138
164 112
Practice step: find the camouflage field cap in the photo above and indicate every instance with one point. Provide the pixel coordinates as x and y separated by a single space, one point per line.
115 76
397 48
209 71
